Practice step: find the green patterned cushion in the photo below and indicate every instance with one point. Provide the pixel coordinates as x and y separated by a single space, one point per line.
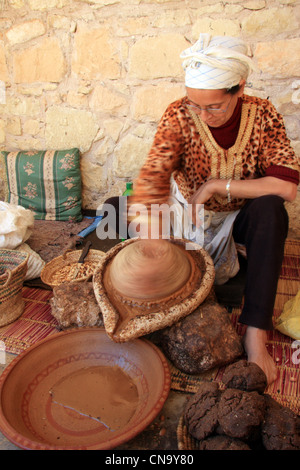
47 182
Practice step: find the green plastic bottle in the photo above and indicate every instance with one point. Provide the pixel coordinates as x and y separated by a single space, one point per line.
129 189
128 192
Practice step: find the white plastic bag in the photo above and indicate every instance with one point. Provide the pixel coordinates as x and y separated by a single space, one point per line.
16 225
289 321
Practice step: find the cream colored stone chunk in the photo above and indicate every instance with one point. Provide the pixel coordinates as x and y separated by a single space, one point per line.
279 58
25 31
96 55
157 57
40 63
67 128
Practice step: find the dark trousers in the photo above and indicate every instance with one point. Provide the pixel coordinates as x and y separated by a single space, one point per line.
262 226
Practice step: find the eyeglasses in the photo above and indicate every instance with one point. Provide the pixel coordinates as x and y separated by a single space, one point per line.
198 110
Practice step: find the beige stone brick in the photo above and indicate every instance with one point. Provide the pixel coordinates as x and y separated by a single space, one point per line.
145 131
113 128
115 188
231 10
150 102
218 27
172 18
61 22
292 125
16 4
93 176
31 126
98 3
47 4
25 31
40 63
13 126
205 9
2 140
101 150
129 156
106 100
156 1
131 26
36 89
287 2
2 134
156 57
76 99
22 106
254 4
66 127
270 21
96 55
279 58
3 64
17 143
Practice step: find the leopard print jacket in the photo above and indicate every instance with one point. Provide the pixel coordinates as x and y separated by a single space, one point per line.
184 148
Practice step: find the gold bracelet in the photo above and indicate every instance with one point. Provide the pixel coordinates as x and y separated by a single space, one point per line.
228 191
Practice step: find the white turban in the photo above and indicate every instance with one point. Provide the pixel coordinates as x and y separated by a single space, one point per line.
216 62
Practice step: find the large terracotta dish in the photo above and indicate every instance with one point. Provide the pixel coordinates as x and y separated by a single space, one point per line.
31 420
125 320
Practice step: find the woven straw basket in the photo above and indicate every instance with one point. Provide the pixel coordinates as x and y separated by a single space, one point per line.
69 259
13 268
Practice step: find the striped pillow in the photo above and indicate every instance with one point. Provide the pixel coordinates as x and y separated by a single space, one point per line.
47 182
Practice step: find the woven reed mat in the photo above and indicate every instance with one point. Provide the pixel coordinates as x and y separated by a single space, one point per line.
35 323
286 389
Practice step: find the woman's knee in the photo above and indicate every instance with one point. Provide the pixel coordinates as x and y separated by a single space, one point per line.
265 215
269 209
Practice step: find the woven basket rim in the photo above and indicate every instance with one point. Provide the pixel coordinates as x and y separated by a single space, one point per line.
17 254
66 259
11 304
20 254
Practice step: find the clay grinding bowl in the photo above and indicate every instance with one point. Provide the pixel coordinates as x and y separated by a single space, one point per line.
126 318
30 417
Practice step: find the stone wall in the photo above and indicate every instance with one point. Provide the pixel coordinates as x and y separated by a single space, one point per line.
98 74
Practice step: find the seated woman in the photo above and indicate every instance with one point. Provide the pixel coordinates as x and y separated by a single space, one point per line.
228 151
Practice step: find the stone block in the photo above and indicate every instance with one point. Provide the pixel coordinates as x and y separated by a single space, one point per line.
218 27
113 128
61 22
279 58
25 31
16 4
105 100
271 21
150 102
3 64
13 126
96 55
31 126
172 18
129 156
157 57
67 128
93 176
254 4
24 105
44 5
43 62
2 135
